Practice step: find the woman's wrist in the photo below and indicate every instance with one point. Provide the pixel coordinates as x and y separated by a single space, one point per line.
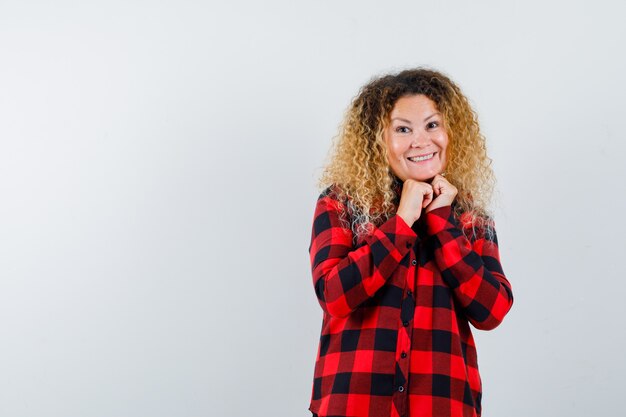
407 218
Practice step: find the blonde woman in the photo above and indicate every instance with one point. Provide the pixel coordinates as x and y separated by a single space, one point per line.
404 254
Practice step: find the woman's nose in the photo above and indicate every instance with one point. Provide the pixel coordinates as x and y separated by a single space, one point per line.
419 139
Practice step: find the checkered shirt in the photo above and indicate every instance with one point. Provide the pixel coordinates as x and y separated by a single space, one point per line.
395 338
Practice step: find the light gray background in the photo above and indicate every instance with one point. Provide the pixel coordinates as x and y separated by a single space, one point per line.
157 185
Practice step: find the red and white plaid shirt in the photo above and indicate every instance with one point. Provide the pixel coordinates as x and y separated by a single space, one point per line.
395 338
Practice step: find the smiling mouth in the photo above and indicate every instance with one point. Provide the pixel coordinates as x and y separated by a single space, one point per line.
421 158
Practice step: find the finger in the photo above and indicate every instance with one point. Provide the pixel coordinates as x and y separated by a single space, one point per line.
437 178
427 197
437 187
426 201
441 185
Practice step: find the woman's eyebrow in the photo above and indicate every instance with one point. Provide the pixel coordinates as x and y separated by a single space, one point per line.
401 119
434 114
409 122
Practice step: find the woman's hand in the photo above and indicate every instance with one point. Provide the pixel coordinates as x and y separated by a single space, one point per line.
415 196
444 192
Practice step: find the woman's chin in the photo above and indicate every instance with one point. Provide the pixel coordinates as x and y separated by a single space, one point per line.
423 178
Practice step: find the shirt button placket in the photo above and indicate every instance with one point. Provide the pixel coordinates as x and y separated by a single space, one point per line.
404 355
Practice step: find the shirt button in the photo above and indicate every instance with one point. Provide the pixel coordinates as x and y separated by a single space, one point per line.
401 388
413 262
406 323
403 355
409 244
408 293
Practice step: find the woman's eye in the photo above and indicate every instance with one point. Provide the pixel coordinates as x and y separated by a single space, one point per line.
433 124
402 129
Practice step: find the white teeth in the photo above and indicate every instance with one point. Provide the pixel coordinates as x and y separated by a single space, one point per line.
421 158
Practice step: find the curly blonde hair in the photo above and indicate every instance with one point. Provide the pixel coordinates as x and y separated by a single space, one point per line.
359 173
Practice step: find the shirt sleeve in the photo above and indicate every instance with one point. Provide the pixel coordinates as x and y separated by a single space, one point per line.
471 269
344 276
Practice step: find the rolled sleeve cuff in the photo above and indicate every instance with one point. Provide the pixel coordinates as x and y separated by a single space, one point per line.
399 233
439 219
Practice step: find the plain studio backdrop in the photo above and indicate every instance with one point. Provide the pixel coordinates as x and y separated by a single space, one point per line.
158 163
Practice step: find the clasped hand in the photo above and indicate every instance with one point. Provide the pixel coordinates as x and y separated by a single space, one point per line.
418 195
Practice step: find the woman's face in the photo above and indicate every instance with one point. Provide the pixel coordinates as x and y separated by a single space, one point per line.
416 139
